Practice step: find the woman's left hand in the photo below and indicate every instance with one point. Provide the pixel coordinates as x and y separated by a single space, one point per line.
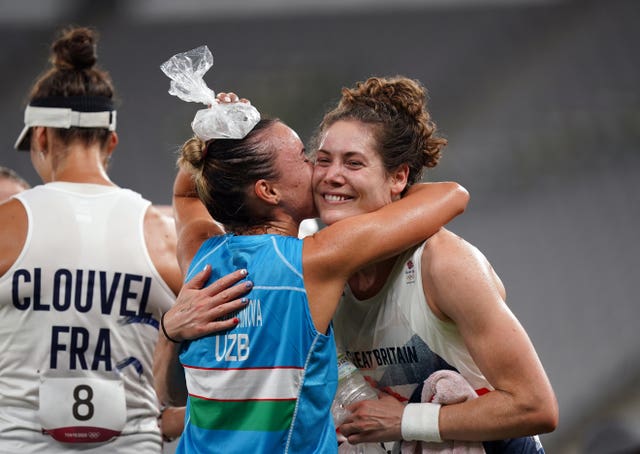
374 420
200 311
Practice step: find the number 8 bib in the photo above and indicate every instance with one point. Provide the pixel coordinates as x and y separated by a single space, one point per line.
82 410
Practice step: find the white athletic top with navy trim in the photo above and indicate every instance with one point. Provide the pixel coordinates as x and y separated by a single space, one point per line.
79 317
265 386
395 339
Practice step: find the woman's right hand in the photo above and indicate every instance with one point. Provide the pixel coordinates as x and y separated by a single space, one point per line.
230 97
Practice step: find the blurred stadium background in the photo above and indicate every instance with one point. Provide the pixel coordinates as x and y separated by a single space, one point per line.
540 103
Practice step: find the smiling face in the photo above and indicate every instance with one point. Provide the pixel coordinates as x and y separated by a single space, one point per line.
349 177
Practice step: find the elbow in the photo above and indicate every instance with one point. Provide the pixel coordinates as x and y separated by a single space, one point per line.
548 411
542 416
544 422
548 418
461 197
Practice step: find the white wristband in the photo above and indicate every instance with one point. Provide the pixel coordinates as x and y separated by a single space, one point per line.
420 422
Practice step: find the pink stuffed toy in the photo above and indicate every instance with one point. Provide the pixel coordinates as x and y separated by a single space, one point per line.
445 387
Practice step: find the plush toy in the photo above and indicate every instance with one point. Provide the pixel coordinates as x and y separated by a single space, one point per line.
444 387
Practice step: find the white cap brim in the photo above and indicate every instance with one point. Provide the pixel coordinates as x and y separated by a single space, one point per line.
61 117
22 144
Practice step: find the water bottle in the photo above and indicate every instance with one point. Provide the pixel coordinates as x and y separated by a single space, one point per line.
352 387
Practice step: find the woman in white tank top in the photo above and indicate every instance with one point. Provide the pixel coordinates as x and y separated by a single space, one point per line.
86 270
439 306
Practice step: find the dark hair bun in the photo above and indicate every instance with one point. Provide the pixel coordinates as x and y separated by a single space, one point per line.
75 49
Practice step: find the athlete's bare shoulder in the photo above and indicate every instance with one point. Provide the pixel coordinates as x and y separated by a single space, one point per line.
161 240
449 261
13 232
442 244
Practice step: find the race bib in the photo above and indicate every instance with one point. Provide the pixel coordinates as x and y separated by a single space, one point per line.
82 410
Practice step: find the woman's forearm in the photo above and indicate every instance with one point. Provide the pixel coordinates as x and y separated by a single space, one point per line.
168 374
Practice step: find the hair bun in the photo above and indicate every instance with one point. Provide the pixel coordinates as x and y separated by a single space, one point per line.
75 49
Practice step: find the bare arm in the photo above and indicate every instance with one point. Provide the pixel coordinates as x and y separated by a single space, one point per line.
523 402
161 242
13 233
463 289
338 251
193 222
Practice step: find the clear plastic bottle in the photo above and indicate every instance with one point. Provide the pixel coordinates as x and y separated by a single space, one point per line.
352 387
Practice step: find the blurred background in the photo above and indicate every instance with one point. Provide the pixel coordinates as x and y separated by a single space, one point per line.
539 101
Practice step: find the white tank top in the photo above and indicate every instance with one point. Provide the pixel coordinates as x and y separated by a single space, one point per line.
79 317
395 338
397 341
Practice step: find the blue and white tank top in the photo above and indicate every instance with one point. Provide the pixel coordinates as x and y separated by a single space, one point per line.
265 386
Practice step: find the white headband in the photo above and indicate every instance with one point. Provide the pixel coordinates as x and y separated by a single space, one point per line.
62 117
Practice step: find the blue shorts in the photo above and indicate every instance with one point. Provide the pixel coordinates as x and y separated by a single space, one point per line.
523 445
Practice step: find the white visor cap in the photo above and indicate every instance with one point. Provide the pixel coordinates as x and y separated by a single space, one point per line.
62 117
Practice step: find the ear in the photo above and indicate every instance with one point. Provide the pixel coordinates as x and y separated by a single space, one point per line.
266 192
39 139
399 178
113 142
108 148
